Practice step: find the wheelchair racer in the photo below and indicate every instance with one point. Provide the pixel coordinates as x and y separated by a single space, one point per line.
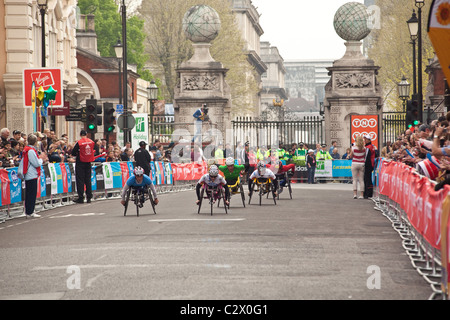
262 172
280 170
212 179
231 171
139 182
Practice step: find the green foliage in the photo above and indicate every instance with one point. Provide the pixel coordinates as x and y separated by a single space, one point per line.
108 27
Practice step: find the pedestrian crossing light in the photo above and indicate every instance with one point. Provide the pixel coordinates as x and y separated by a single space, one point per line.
91 115
109 117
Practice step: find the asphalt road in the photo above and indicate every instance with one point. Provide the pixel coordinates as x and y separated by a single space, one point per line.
322 245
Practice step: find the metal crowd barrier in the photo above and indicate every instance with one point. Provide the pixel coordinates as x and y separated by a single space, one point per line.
425 258
52 201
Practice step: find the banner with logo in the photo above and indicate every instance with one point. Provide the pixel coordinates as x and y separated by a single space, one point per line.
42 189
53 178
15 185
362 125
168 172
324 169
341 168
160 173
112 175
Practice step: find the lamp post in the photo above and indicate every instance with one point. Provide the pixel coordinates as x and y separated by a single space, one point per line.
404 88
118 48
126 131
43 5
413 26
153 96
419 5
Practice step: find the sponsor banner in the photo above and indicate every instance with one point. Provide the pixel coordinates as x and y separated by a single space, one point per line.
153 173
53 178
6 195
160 174
112 175
342 168
362 125
324 169
168 172
15 186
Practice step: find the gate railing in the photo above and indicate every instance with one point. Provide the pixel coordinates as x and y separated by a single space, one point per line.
309 130
394 124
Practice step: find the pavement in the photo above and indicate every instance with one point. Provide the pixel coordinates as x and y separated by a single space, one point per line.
322 245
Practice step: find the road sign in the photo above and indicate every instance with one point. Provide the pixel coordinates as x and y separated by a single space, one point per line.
77 115
43 77
119 109
131 122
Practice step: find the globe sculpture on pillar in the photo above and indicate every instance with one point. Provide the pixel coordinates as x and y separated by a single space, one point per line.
201 24
351 21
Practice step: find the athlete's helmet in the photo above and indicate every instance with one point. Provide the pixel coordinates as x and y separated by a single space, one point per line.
138 171
261 167
229 161
213 171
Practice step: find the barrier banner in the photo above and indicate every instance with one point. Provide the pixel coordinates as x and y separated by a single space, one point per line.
160 174
6 195
168 171
15 185
112 175
53 178
153 173
324 169
125 172
342 168
94 179
42 189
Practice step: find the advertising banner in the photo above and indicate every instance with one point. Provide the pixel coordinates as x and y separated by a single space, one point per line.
365 125
324 169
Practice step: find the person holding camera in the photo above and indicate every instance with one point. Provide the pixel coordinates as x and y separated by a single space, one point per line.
200 116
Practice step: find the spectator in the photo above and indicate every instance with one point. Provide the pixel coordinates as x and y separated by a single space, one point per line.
333 145
31 171
368 167
335 155
16 135
311 164
84 152
348 154
4 134
358 155
142 158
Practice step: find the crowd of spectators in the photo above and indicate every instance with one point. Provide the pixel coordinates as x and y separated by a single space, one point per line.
423 148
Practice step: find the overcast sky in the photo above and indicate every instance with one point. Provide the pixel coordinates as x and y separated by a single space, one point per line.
302 29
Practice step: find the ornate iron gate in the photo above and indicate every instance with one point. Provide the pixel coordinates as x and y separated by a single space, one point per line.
394 124
309 130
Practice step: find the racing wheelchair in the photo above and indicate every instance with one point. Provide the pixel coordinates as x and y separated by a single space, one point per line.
286 178
237 188
138 196
212 194
262 186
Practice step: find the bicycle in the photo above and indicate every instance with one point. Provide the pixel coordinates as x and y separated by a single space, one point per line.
265 186
138 197
212 194
237 188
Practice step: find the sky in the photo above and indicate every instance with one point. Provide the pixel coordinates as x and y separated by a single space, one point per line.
302 29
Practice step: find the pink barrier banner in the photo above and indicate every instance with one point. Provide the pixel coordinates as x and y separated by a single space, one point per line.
416 196
188 171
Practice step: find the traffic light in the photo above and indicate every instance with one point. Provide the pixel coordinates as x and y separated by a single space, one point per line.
108 117
412 114
91 115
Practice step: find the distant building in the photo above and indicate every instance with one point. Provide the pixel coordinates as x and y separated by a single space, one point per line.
273 93
305 84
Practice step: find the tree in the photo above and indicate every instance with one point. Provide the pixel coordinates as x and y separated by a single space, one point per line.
392 50
168 47
108 27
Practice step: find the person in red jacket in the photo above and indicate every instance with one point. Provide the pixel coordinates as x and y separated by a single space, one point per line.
84 152
368 167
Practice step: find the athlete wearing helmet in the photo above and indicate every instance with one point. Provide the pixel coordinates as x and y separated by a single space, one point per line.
212 179
262 172
280 172
139 181
231 171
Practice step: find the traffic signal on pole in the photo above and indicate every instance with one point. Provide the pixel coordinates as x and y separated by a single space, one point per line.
99 115
91 115
108 117
412 114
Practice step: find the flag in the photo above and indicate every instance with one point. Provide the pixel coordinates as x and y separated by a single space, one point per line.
439 33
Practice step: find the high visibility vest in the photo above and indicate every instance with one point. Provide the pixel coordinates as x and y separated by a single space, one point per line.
218 154
259 155
301 154
87 152
281 153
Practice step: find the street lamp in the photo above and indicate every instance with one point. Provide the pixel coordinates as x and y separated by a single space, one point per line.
43 5
419 5
126 131
413 26
118 48
153 96
404 88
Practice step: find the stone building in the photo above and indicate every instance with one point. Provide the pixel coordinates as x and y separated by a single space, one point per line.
273 93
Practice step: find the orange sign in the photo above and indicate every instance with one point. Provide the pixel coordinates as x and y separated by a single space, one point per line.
439 33
365 125
43 77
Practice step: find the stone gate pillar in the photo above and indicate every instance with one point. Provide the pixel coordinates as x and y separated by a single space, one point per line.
202 79
353 88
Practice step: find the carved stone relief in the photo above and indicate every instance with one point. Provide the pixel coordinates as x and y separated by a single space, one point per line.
201 82
353 80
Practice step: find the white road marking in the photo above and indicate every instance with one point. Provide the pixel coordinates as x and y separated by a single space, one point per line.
195 220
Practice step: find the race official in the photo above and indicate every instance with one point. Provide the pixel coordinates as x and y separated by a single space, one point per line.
84 152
